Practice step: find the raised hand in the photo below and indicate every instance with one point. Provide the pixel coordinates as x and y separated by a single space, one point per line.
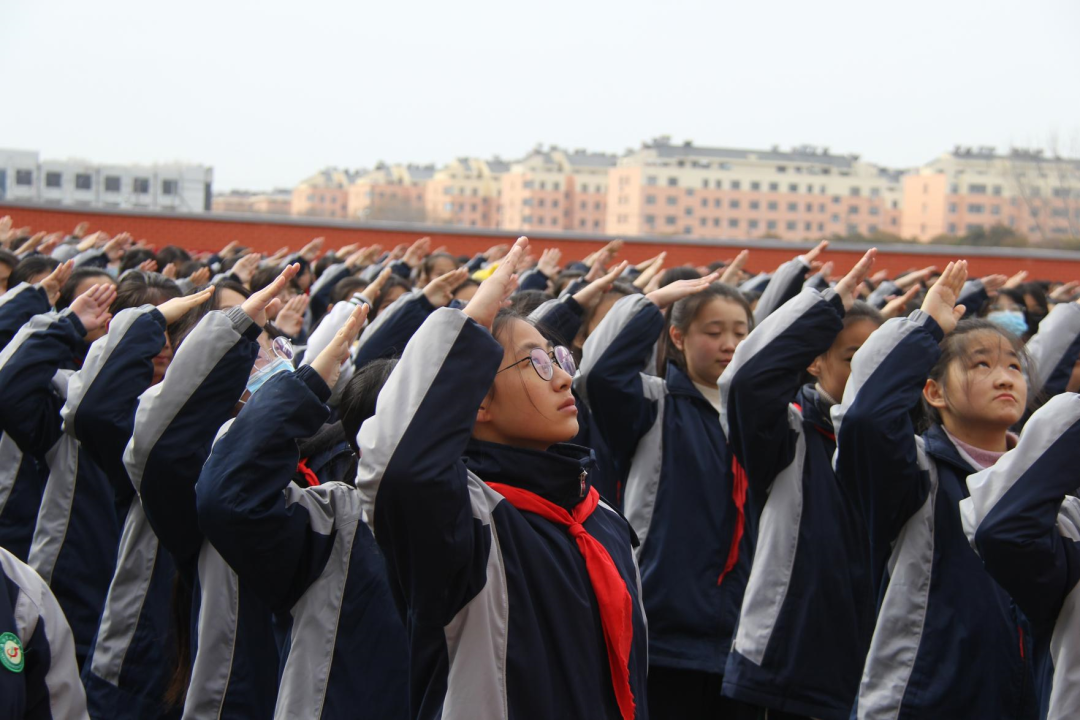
148 265
916 277
499 286
31 244
200 276
229 250
590 294
80 229
362 257
55 280
328 362
398 252
50 243
371 292
311 251
651 270
346 250
174 309
115 248
940 300
812 257
879 276
440 291
278 255
256 306
91 241
496 252
731 273
169 271
827 270
1017 279
549 262
245 267
1063 293
417 252
92 307
993 283
670 294
849 283
290 318
896 305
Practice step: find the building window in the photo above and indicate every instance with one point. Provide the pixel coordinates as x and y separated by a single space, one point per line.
687 230
809 226
997 190
772 206
952 207
977 189
717 203
472 207
733 223
596 224
52 179
650 219
688 210
995 209
540 202
875 210
651 180
705 183
555 185
112 184
855 192
24 177
704 222
853 210
774 187
716 222
754 205
973 226
584 187
141 186
649 200
543 185
670 220
673 182
83 181
734 204
581 223
952 228
540 220
793 207
835 218
790 225
704 202
753 224
718 185
735 185
672 200
781 169
770 225
528 185
821 207
755 185
168 187
554 203
793 188
527 202
875 192
954 188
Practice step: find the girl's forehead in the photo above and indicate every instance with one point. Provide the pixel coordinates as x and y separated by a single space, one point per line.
721 308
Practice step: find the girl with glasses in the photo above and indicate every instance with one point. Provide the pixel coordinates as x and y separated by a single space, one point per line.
519 584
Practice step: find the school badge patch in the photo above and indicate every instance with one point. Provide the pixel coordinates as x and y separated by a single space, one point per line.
11 652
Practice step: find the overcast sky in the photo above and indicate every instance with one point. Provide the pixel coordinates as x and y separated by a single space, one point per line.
268 92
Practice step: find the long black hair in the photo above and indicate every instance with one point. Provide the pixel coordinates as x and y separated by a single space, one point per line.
682 314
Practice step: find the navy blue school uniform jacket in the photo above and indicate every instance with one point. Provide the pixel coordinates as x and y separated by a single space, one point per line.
696 523
22 476
1024 521
77 529
234 648
949 641
784 284
38 674
809 608
309 555
132 654
502 618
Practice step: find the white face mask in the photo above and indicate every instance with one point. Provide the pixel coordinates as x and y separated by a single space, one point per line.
267 365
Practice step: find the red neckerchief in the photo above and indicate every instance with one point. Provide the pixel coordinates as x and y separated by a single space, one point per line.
616 607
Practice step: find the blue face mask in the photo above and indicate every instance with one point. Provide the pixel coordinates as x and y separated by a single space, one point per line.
1010 320
265 373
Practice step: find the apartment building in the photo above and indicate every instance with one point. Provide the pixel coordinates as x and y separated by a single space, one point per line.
324 194
175 187
557 190
972 189
275 202
705 192
391 193
466 192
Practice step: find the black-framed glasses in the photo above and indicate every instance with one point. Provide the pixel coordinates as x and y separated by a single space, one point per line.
543 362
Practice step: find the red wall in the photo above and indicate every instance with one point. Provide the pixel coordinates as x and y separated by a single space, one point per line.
268 234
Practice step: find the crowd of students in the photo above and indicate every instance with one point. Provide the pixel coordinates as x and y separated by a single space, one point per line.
406 484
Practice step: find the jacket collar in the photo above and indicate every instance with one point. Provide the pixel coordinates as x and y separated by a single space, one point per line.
940 447
814 408
679 383
562 474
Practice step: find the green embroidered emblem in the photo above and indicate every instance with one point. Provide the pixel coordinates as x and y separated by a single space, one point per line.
11 652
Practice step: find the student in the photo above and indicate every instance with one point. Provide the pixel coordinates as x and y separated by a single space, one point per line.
38 674
681 491
808 612
1024 521
519 586
226 651
77 531
127 670
948 641
304 550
